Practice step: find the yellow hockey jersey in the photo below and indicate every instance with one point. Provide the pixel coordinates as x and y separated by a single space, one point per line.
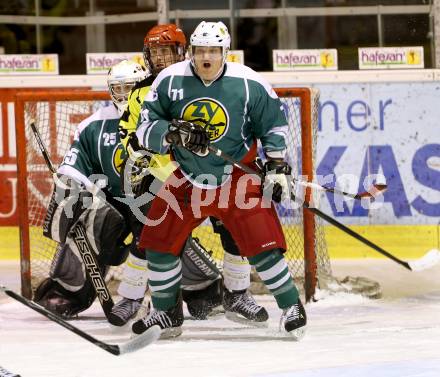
161 166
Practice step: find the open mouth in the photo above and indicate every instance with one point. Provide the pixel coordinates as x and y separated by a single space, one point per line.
206 65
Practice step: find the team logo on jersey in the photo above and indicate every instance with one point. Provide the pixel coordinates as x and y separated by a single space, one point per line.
210 113
117 158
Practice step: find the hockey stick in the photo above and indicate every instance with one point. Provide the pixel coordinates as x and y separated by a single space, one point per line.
81 241
372 192
430 259
132 345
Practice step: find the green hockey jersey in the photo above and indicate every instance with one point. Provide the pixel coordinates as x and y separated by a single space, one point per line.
239 108
96 151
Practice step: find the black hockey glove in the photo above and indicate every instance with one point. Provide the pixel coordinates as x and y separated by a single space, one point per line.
189 135
276 174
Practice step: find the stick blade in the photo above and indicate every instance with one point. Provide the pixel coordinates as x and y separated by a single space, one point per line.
430 259
140 341
373 191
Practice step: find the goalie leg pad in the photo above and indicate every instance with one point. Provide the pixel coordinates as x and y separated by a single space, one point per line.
67 291
134 278
203 302
236 272
67 269
202 285
104 228
71 204
71 291
199 270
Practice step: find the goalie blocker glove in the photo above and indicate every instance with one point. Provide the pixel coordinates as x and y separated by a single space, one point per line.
276 173
191 136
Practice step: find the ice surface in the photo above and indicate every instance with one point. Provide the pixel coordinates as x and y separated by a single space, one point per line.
347 336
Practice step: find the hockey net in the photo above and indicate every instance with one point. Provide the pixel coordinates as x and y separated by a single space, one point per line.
56 115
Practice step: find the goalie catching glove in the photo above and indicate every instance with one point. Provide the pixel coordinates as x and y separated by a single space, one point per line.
276 174
135 174
191 136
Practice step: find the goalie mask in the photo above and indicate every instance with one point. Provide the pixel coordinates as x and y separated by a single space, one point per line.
164 45
210 44
121 79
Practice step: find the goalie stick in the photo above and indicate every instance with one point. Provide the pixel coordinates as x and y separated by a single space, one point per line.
79 237
132 345
430 259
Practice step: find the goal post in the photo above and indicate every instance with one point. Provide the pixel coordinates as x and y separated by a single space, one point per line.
57 113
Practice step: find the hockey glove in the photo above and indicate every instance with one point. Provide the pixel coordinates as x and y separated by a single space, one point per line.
135 174
276 174
189 135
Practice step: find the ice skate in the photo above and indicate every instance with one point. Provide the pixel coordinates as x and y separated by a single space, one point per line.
293 321
170 321
124 310
241 307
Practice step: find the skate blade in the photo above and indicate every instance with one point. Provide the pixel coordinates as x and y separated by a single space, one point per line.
172 332
296 334
237 318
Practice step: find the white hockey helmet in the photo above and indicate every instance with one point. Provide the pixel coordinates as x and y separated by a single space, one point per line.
121 79
211 34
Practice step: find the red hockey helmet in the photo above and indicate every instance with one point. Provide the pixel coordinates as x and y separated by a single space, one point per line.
164 45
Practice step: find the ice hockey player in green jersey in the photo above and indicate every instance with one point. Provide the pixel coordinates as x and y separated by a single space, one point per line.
191 105
163 46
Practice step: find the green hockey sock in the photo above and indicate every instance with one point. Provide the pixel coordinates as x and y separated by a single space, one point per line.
273 270
164 275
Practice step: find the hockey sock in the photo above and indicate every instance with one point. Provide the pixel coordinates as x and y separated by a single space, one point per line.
273 270
165 273
134 278
236 272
